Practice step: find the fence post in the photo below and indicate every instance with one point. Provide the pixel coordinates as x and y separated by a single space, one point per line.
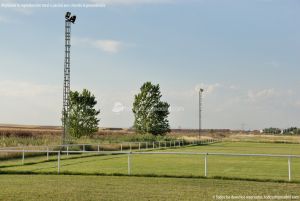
129 165
83 147
205 165
58 162
121 147
98 147
130 146
289 167
159 144
23 156
139 146
67 150
47 153
153 145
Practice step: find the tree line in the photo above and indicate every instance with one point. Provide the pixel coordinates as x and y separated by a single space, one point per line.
287 131
150 113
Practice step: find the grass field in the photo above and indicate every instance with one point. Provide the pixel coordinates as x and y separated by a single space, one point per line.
75 187
20 135
264 168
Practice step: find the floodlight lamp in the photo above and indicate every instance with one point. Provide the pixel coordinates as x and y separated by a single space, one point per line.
68 15
73 19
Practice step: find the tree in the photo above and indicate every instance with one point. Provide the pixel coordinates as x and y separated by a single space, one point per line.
149 111
82 114
291 131
272 130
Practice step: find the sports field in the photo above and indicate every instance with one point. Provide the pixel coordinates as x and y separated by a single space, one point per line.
243 167
76 187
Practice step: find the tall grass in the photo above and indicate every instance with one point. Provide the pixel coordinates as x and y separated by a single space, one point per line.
19 138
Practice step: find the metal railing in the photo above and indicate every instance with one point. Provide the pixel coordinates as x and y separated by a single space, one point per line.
123 146
129 146
130 154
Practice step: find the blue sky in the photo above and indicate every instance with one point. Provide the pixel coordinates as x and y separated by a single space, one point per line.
244 53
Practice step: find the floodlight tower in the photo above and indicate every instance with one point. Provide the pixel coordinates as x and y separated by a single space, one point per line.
200 109
66 91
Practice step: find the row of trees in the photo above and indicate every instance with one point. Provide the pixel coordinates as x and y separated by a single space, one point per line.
287 131
291 130
272 130
150 113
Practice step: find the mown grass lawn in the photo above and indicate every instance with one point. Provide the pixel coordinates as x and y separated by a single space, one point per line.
177 165
246 147
77 187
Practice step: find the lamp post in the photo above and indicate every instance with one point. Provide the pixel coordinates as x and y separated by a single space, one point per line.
200 109
66 91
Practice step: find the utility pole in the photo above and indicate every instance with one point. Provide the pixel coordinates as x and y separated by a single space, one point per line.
66 91
200 109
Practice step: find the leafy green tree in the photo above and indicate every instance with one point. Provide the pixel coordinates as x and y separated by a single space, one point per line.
149 111
272 130
83 119
291 131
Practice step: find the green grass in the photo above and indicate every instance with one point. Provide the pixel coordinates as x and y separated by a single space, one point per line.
261 168
66 187
247 147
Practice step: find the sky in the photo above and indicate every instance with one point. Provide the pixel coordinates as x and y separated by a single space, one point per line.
245 54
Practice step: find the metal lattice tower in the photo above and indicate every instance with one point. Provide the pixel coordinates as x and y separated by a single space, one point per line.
66 91
200 110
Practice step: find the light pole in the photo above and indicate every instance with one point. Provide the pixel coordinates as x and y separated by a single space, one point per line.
200 109
66 91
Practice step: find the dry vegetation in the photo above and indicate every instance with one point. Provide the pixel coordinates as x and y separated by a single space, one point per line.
264 138
15 135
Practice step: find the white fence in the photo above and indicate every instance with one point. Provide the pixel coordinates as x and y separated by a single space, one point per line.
129 145
124 146
130 153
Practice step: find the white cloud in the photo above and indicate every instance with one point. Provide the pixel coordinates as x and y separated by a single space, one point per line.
297 104
110 46
274 64
130 2
24 11
25 102
4 20
9 88
233 87
262 94
208 88
291 92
